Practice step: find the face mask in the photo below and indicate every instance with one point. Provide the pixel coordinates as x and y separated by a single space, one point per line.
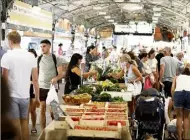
123 65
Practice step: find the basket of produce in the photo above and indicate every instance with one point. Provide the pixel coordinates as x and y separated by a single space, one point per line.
77 99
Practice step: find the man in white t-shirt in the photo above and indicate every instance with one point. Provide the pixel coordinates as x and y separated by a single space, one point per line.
18 65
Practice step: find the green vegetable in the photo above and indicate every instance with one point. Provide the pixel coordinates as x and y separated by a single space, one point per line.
117 99
105 97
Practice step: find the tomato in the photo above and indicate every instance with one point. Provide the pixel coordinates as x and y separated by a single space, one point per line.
112 123
75 118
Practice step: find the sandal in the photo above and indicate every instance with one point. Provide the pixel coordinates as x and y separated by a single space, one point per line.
33 130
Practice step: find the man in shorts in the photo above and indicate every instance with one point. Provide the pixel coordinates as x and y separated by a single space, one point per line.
50 72
168 70
18 65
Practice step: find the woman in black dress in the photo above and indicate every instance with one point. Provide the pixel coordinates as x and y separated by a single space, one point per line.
73 74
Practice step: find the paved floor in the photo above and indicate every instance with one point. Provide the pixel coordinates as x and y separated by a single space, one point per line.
35 136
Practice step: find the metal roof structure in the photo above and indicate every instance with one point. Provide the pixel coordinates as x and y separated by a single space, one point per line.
174 13
91 13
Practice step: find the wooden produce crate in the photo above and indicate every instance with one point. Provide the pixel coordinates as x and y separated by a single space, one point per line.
93 120
59 125
74 111
95 104
95 132
117 105
123 123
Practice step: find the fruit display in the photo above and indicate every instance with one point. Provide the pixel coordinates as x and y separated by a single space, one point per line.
77 99
116 117
74 110
116 110
115 123
97 119
95 128
94 113
75 118
95 110
91 117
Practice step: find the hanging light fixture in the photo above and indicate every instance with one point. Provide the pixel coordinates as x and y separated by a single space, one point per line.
107 17
157 9
132 7
118 0
97 8
155 18
102 13
111 20
157 14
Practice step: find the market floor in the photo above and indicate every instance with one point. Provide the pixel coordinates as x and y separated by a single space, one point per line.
35 136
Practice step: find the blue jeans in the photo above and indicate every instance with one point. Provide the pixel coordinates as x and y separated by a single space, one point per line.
182 99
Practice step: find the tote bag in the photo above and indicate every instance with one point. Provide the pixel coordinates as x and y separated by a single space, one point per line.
147 83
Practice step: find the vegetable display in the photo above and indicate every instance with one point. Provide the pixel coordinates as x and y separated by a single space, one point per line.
117 99
77 99
94 92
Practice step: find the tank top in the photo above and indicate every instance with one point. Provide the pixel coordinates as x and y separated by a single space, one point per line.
74 79
130 74
182 83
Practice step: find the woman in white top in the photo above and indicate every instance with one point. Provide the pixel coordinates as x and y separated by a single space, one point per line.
147 72
130 70
181 97
153 65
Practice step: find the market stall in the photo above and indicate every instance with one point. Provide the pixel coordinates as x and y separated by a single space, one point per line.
96 110
94 120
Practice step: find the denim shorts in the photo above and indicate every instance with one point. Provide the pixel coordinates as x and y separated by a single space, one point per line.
182 99
19 108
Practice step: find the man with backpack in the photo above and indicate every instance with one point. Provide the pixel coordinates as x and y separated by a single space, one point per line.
50 72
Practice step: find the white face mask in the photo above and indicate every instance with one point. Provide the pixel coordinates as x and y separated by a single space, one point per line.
123 65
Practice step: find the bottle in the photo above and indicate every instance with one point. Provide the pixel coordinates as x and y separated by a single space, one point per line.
126 80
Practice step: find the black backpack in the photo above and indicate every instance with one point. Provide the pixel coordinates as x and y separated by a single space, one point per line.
55 63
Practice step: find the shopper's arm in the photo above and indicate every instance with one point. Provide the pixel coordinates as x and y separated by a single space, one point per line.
84 75
36 85
173 86
161 72
5 74
137 73
162 67
59 76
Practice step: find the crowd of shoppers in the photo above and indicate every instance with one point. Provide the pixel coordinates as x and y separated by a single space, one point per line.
28 78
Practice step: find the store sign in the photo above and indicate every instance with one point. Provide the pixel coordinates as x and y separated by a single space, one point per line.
132 27
26 15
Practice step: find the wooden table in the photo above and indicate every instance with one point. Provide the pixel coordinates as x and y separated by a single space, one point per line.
50 133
